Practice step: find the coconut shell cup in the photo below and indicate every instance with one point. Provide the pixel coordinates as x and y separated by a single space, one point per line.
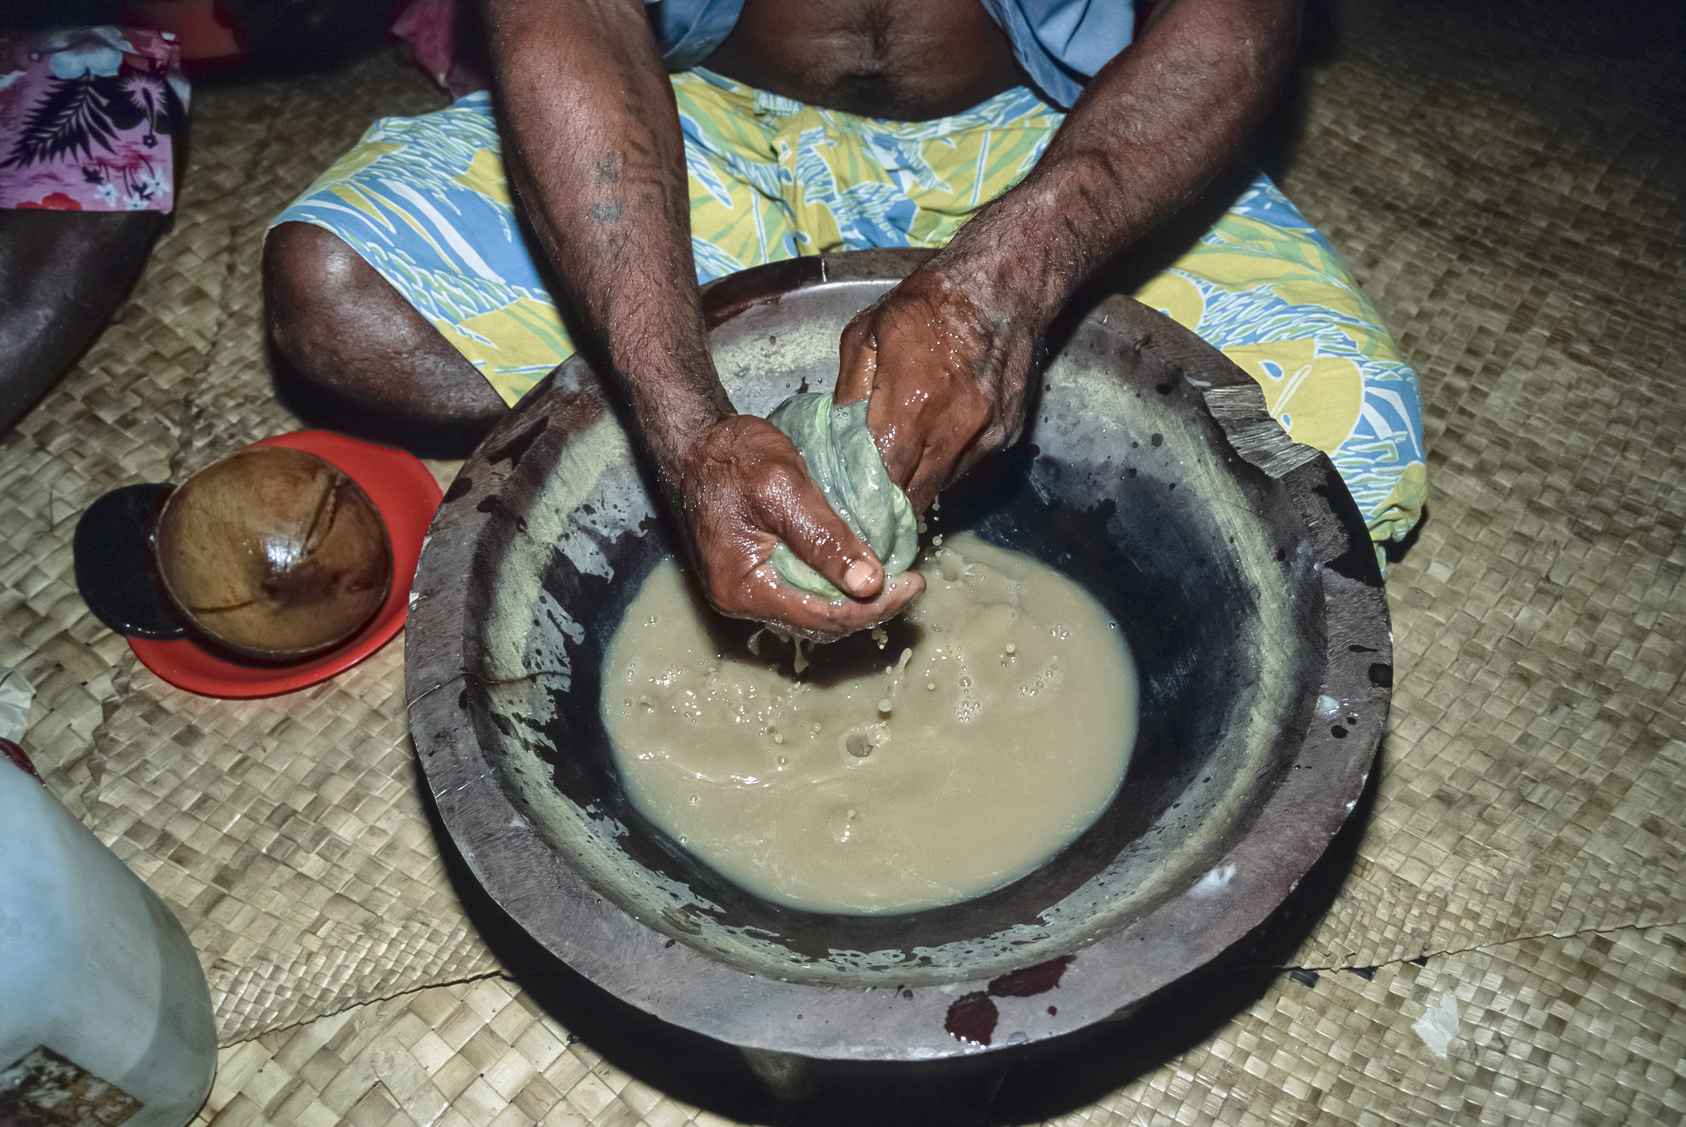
273 554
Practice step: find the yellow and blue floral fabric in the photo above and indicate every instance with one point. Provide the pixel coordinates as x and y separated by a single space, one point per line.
424 201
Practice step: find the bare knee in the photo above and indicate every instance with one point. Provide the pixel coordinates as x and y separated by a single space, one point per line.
335 319
308 274
356 355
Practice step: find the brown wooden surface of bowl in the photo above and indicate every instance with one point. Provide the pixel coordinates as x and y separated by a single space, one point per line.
1234 561
274 553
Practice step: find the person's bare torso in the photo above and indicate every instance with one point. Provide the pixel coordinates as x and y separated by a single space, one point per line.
911 60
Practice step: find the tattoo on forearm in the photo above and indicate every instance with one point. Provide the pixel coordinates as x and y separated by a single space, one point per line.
609 169
609 212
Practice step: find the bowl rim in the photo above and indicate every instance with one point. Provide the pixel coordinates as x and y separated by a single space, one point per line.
688 988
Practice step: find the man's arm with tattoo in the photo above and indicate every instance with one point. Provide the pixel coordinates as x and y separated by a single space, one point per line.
945 355
595 154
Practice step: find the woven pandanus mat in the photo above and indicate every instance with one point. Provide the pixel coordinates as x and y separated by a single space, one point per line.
1489 1036
287 834
1506 183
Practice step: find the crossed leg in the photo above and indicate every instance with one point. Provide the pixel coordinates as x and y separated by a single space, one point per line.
355 356
1245 271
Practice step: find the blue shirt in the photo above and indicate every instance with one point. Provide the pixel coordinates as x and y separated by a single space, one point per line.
1059 43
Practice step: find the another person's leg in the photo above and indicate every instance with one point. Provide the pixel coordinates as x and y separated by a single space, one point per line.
89 119
62 274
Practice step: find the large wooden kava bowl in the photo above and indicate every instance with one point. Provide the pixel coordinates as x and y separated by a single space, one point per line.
1234 560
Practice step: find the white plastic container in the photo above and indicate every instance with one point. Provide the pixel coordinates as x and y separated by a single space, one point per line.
99 987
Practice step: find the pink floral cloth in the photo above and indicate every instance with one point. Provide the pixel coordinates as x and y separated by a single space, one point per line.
431 30
89 118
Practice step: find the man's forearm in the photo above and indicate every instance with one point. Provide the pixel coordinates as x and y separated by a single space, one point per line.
594 152
1150 131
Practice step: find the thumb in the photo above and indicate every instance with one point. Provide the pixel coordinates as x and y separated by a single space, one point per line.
800 515
857 365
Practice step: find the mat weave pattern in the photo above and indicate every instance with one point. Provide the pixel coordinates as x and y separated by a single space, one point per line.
287 834
1505 181
1314 1048
1524 240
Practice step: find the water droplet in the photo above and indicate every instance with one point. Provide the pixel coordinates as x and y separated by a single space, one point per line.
885 705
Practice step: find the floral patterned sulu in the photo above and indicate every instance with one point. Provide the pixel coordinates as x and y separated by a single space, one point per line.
425 202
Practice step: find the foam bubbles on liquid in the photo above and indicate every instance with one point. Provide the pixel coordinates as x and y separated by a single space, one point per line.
989 639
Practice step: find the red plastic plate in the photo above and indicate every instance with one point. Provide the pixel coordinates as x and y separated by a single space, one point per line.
406 495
